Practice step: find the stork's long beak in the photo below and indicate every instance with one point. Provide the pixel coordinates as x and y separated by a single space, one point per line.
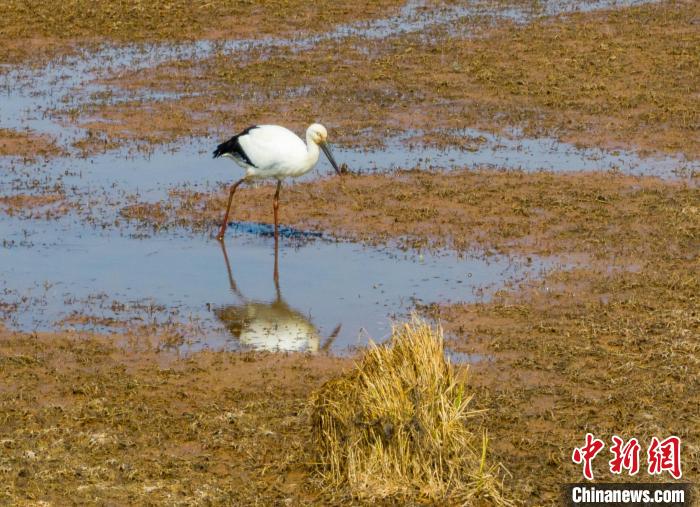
327 150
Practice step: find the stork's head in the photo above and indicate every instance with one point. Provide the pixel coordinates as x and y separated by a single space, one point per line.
318 134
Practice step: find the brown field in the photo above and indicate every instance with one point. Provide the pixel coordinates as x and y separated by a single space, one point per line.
611 347
621 78
607 342
26 144
581 350
31 28
586 350
84 419
603 215
44 206
604 337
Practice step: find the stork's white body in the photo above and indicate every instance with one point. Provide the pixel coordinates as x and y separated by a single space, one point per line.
271 151
275 152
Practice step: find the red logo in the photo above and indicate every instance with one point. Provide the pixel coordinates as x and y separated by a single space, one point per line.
626 456
665 456
586 454
662 456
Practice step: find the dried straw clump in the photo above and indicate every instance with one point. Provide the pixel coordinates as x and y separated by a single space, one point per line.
396 427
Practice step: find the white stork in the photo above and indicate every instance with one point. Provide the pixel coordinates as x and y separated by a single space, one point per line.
271 151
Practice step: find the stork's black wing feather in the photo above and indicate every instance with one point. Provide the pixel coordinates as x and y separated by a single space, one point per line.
234 148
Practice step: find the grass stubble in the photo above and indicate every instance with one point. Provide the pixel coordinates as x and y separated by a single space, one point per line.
609 347
399 426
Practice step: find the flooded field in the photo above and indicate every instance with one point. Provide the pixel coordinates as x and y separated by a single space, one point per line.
524 174
58 275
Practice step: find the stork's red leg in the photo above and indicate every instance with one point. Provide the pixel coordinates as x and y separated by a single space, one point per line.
222 231
275 206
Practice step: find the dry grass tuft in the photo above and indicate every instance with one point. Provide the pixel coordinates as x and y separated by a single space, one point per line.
396 426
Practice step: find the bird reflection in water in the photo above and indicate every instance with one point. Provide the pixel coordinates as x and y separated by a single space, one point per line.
271 326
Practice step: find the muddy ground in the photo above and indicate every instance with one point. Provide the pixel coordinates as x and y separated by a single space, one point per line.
607 345
34 30
543 213
612 78
27 145
84 420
